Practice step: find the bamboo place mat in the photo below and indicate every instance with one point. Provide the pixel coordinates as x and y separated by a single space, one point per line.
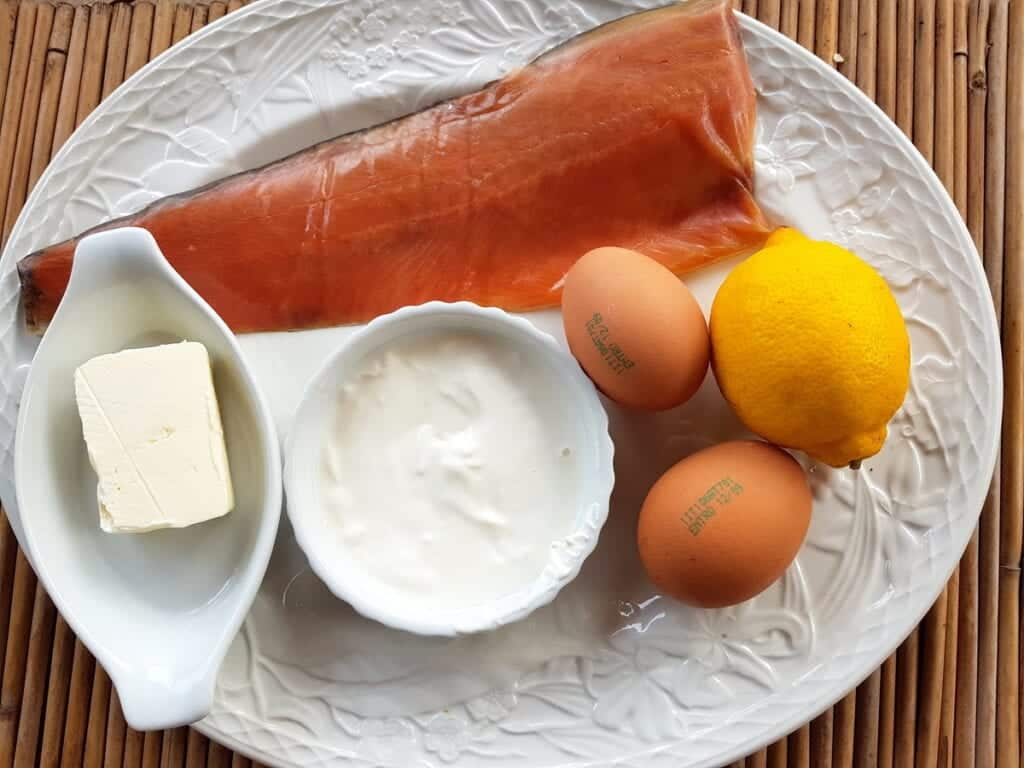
949 72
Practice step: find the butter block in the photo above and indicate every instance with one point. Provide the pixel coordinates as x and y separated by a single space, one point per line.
153 431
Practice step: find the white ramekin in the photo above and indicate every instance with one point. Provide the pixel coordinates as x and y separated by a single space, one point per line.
303 460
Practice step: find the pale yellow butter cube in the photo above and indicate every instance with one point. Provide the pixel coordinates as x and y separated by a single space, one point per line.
153 430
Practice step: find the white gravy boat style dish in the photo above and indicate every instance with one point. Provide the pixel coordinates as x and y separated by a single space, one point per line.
159 609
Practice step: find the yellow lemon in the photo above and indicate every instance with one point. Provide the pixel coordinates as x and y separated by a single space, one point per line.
810 349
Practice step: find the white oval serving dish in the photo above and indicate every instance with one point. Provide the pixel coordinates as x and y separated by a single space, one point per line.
158 610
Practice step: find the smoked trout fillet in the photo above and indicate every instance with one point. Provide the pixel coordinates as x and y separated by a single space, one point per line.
638 134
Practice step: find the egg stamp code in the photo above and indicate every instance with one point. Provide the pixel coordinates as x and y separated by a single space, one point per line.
719 495
610 351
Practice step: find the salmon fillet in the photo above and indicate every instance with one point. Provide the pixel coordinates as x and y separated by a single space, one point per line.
638 134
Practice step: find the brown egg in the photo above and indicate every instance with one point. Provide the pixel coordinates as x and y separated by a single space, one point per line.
635 329
723 524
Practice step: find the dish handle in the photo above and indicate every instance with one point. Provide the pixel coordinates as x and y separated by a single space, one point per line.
152 704
112 256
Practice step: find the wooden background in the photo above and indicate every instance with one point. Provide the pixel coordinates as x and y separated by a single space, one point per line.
949 72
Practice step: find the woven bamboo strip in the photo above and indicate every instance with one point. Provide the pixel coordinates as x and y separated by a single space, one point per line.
30 719
924 79
152 746
113 750
80 689
19 625
988 621
199 14
173 754
865 747
806 23
885 77
991 721
960 56
182 22
845 57
49 100
132 749
138 38
789 24
821 740
1012 311
944 94
218 757
8 22
940 744
800 748
15 658
91 87
96 727
906 696
62 669
163 26
905 65
18 186
67 108
887 714
826 31
117 48
843 726
977 97
217 10
867 48
196 750
770 12
947 705
964 728
931 667
1011 64
56 695
16 80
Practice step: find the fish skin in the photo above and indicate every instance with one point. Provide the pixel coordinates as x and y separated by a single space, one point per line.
639 133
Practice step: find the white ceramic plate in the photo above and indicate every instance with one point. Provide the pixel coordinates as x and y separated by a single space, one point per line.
610 673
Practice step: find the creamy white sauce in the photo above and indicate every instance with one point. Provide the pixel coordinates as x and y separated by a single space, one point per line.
447 472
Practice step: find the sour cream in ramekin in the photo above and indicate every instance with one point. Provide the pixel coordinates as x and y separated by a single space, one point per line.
449 469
